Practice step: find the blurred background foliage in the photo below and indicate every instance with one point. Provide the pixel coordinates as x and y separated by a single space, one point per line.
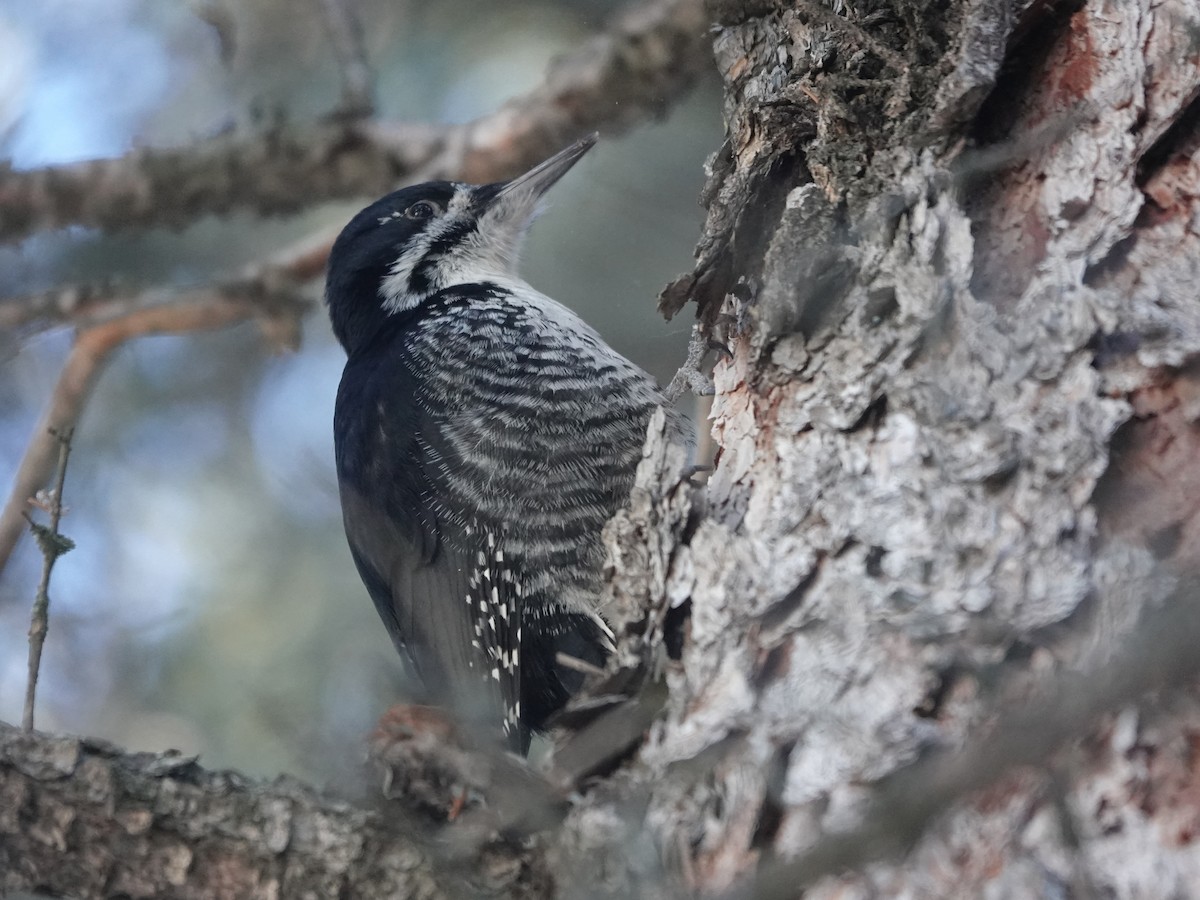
211 604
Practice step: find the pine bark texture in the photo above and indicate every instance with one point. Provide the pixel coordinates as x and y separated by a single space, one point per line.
953 250
83 819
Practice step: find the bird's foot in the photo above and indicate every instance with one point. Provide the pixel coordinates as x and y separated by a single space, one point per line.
424 762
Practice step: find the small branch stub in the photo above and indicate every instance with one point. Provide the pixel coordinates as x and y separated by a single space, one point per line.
689 377
53 545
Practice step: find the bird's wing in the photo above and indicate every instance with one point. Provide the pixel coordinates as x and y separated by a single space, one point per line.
440 584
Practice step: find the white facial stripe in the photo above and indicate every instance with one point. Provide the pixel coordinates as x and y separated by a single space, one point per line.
488 253
394 289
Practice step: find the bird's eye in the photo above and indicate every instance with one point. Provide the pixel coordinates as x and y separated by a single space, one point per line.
422 209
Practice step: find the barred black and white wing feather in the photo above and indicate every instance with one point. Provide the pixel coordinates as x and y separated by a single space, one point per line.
494 604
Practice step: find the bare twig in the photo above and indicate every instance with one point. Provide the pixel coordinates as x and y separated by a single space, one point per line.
633 72
53 545
233 170
69 303
346 36
1160 654
647 59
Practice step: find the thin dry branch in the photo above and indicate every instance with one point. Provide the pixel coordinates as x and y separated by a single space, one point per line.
649 57
83 306
632 72
69 303
261 171
53 545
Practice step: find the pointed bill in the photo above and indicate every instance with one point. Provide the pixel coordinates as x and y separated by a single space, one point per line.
510 208
534 183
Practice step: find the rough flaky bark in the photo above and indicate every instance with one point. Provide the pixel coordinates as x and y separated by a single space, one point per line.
84 818
953 249
183 832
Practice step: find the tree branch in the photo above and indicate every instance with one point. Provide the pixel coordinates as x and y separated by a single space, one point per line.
636 70
172 187
79 818
149 824
269 293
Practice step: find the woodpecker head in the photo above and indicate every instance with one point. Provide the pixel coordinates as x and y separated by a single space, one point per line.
409 245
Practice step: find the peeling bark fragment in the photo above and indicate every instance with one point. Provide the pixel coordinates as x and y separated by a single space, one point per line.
984 36
807 269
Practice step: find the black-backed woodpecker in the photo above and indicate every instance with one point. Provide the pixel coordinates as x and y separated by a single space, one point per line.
484 435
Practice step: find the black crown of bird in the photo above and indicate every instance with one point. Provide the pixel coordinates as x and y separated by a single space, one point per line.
484 434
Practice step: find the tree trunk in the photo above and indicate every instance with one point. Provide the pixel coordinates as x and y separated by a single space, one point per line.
952 250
